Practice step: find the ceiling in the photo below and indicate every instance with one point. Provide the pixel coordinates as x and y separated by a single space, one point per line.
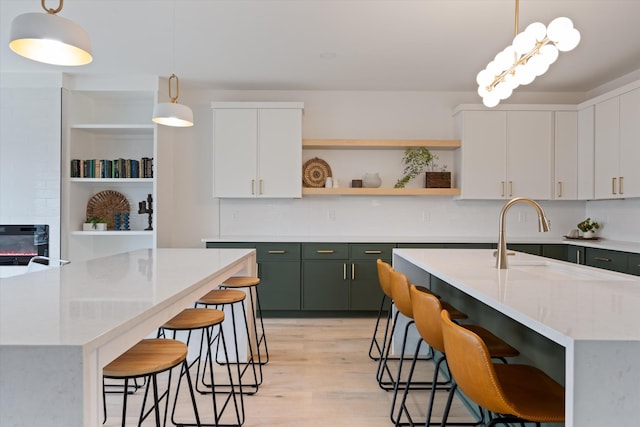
417 45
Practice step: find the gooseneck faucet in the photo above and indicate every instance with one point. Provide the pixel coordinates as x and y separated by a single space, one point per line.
543 226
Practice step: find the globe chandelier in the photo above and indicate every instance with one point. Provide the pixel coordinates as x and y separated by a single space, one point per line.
529 56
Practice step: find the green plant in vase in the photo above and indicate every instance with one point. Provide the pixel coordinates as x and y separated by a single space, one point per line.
588 227
94 221
416 161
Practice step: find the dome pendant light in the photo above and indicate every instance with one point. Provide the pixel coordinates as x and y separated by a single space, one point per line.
172 113
49 38
529 56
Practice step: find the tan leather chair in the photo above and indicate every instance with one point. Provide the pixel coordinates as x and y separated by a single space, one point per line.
517 393
384 270
426 314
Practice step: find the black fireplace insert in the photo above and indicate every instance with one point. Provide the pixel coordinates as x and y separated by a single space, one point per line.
20 243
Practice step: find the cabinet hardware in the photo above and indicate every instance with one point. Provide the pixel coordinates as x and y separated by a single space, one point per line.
578 257
613 185
253 187
344 271
325 251
620 178
510 188
559 188
372 252
353 272
276 252
502 191
602 259
260 186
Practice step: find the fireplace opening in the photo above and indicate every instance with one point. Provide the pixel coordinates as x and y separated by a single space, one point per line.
20 243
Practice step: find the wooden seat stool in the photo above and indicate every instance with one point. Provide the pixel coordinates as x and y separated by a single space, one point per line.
251 283
204 319
148 358
219 299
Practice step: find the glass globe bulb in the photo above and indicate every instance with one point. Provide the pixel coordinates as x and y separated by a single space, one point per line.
525 75
538 65
549 52
523 43
570 41
484 78
537 30
503 91
559 28
491 100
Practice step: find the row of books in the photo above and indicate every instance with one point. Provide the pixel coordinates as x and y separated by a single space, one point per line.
118 168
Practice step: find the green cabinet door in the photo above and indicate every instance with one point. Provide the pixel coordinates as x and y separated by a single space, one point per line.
279 272
527 248
555 251
325 285
606 259
576 254
633 261
365 293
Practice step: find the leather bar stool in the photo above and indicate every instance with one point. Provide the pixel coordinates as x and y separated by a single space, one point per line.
148 358
233 298
251 283
512 393
402 299
205 320
426 311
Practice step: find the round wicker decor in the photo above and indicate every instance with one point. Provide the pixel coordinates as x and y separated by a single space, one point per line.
105 204
315 172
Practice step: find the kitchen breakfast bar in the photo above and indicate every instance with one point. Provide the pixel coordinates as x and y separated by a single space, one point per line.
61 326
578 323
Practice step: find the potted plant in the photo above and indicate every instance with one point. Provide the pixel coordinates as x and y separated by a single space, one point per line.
94 223
416 161
437 176
588 228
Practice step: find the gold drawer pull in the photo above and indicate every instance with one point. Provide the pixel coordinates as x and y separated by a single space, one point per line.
372 252
277 252
602 259
325 251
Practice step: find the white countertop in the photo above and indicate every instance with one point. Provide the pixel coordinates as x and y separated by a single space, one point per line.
562 301
87 302
540 238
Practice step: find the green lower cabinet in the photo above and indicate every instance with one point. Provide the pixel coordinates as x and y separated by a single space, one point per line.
532 249
606 259
558 252
633 264
279 285
325 285
576 254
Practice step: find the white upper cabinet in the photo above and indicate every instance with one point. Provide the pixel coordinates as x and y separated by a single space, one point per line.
257 150
617 147
585 152
566 156
506 154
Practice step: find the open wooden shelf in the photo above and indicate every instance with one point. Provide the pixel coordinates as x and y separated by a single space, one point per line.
347 191
436 144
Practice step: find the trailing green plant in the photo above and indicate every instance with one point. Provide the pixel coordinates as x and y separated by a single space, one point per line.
587 225
94 220
416 161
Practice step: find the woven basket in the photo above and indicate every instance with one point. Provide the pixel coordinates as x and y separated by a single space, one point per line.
438 180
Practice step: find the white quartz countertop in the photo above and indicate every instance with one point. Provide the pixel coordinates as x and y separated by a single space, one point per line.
562 301
540 238
87 302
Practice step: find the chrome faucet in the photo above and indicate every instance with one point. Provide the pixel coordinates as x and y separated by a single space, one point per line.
543 226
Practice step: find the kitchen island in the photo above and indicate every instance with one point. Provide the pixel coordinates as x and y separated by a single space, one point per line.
590 317
60 327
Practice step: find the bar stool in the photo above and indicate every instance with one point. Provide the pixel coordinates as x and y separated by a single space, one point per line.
426 310
218 299
252 283
204 319
148 358
514 393
402 300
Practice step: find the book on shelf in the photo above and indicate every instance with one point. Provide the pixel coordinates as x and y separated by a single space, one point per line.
117 168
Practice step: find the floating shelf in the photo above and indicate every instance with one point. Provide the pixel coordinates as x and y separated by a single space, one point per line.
114 129
113 180
380 191
113 233
391 144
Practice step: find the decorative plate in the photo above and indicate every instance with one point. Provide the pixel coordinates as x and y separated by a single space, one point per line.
105 204
581 238
315 173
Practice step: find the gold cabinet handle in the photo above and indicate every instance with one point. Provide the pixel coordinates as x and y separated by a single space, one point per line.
620 178
510 188
372 252
260 186
325 251
353 272
344 271
602 259
253 187
276 252
559 188
578 257
613 185
502 191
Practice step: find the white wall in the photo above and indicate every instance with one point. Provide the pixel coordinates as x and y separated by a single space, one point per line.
196 214
30 129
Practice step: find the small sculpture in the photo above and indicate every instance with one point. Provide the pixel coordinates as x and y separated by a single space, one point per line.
143 208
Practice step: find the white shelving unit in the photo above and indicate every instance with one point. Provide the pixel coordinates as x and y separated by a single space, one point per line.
109 123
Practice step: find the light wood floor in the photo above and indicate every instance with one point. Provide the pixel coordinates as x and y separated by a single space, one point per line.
319 374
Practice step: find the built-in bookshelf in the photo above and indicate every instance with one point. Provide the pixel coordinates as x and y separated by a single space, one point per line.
110 144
